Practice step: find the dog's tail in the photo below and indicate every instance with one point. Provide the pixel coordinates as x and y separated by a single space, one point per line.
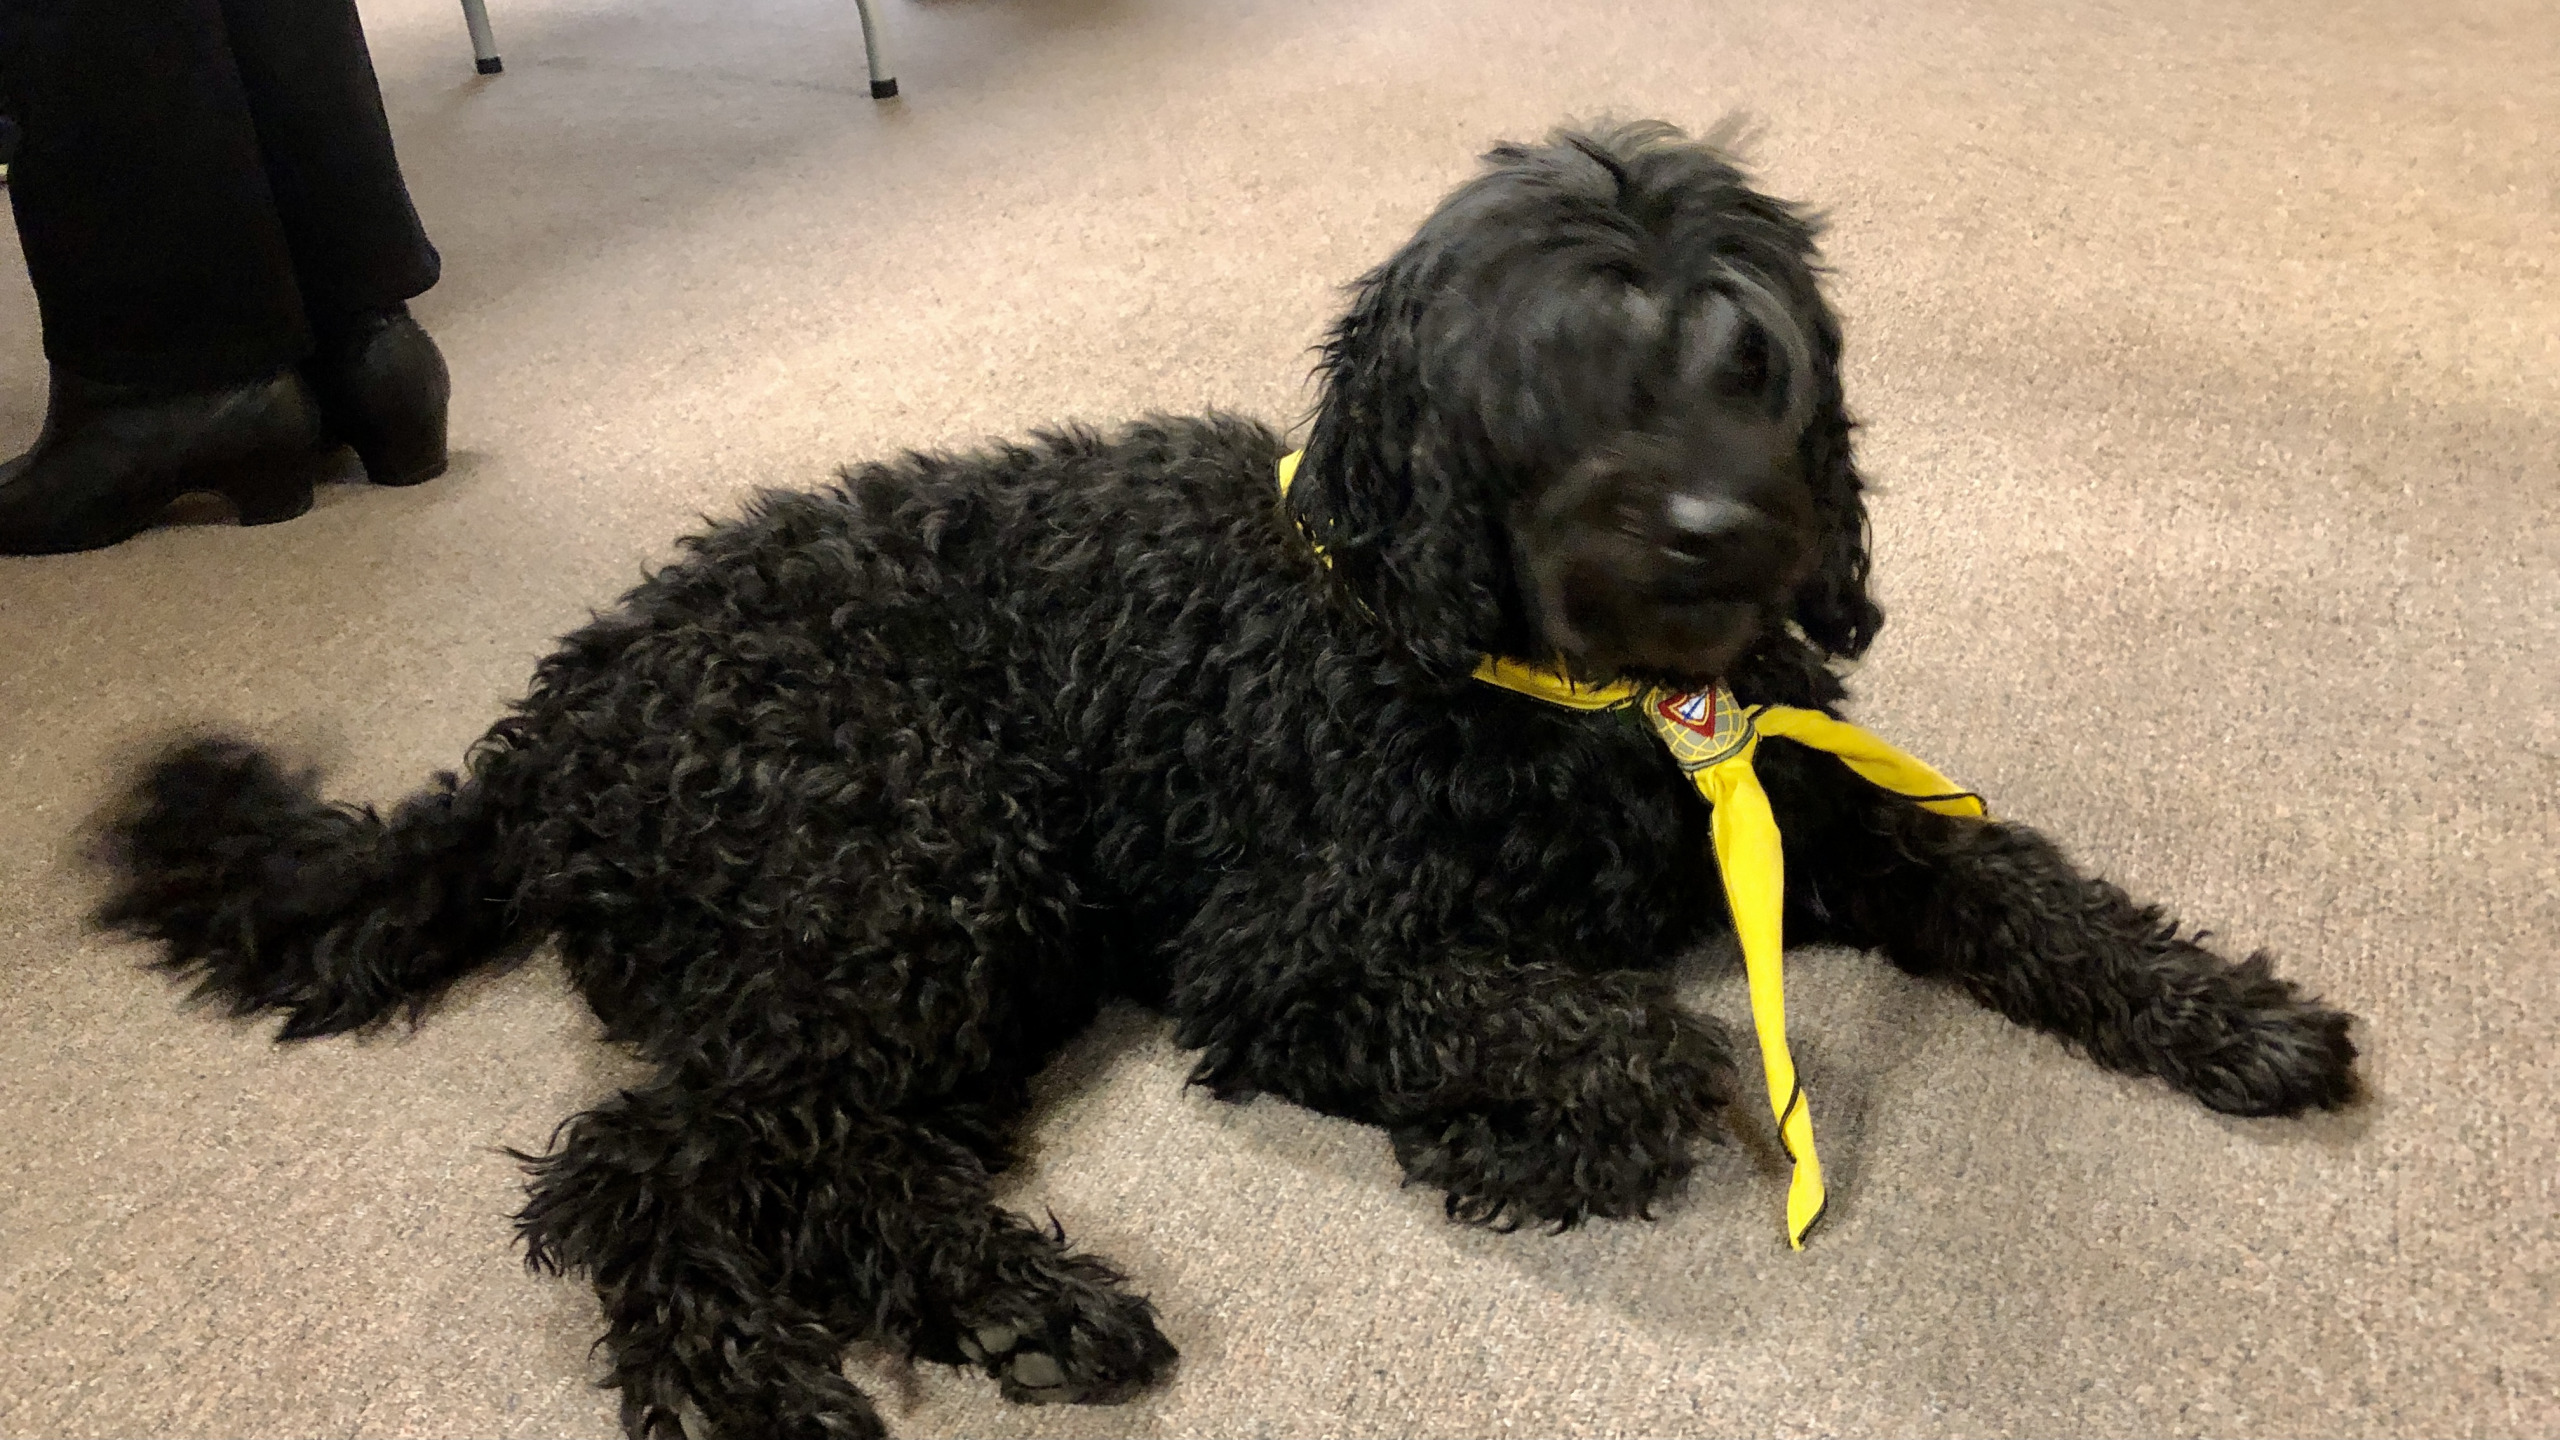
273 899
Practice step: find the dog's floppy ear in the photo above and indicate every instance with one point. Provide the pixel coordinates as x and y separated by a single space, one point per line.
1397 513
1772 338
1753 347
1832 606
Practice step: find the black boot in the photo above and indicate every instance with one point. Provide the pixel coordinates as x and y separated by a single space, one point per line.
112 457
383 389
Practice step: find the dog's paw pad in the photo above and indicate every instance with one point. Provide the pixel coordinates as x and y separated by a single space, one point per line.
1037 1370
998 1348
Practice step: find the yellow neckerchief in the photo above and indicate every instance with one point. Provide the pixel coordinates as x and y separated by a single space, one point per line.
1713 738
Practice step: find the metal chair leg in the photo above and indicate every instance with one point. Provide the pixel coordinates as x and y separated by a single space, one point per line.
884 80
484 42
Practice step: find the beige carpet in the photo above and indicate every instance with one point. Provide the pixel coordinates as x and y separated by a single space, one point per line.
2211 358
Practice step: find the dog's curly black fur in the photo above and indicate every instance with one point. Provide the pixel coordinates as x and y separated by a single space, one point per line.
847 819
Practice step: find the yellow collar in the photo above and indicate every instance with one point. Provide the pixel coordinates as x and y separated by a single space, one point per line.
1713 738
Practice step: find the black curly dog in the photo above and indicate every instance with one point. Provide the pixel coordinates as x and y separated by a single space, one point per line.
849 818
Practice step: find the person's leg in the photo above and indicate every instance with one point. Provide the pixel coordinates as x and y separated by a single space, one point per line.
162 275
359 251
150 229
220 243
355 238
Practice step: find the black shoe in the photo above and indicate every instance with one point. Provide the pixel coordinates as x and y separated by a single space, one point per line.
383 389
112 457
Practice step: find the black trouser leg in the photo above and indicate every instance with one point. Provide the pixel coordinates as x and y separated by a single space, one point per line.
198 181
142 202
355 237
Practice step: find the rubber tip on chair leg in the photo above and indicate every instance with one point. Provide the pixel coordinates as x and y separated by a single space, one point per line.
492 65
884 89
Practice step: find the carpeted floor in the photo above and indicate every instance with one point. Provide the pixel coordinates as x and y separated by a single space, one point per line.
2211 359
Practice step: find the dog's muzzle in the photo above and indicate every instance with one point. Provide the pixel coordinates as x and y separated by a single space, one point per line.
1667 560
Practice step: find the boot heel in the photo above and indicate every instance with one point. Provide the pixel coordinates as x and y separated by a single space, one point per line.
384 390
269 492
418 459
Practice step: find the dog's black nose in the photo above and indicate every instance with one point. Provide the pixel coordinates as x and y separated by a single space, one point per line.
1739 550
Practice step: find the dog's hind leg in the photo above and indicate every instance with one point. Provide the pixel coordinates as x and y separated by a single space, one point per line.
1998 909
741 1235
687 1204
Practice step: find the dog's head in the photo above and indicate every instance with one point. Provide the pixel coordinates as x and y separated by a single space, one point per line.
1591 413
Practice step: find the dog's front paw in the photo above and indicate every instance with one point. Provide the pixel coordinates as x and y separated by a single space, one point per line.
1604 1127
1068 1336
2264 1049
1505 1175
1530 1166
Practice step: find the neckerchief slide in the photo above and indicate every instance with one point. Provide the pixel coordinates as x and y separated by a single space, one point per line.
1713 739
